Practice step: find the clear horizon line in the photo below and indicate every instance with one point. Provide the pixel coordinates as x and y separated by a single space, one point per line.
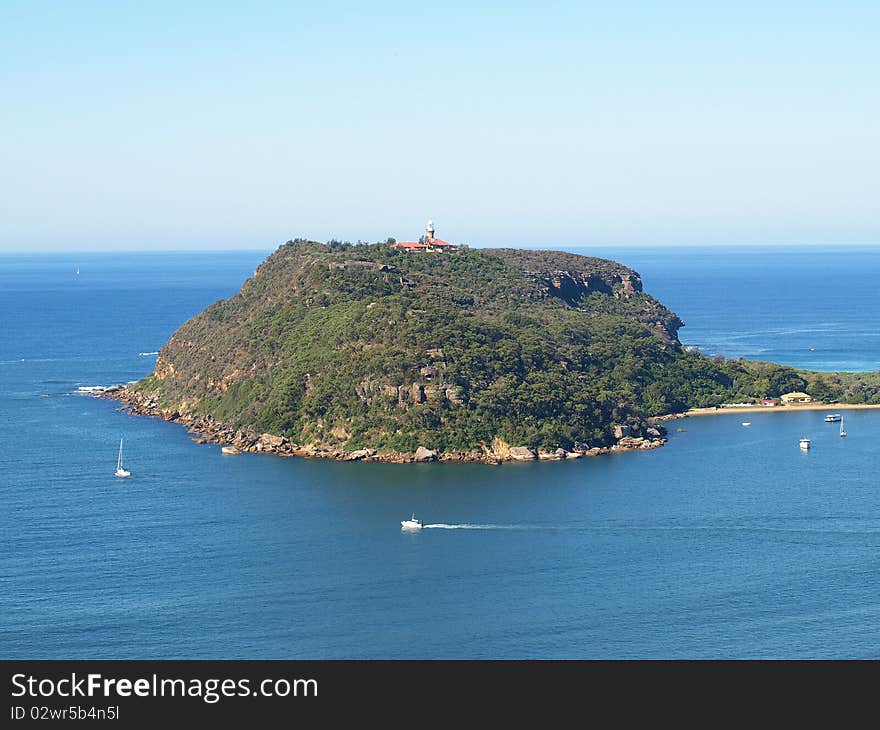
535 246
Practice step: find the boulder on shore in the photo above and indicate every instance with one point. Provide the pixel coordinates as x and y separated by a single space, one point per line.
522 453
551 455
268 439
423 454
358 454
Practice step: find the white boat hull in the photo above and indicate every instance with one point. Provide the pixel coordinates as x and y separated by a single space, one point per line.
122 473
410 525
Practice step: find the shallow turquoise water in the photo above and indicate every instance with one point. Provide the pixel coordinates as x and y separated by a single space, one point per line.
728 542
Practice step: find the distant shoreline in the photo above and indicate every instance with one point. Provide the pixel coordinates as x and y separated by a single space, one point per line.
781 409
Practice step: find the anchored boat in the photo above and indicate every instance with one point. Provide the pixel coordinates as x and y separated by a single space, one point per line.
805 444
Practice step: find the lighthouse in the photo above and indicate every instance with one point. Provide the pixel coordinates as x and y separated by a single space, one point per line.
425 243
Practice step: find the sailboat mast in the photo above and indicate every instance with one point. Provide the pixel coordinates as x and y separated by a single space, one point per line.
119 458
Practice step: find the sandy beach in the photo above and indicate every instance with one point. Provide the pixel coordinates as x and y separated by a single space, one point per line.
781 409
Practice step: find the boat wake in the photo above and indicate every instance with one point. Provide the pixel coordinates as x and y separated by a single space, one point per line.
471 526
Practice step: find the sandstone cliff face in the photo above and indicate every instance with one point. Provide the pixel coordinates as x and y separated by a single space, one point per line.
573 287
583 276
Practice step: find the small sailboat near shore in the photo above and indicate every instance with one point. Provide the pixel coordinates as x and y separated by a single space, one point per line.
121 472
842 429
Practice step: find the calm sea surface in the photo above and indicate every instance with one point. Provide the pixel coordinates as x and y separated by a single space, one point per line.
728 542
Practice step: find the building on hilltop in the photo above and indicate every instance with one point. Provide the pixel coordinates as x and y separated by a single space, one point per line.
427 243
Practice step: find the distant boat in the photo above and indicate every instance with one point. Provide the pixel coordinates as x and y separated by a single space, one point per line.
411 524
747 423
805 444
833 418
120 471
842 429
77 270
230 450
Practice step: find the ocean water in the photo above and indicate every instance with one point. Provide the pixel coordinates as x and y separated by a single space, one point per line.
728 542
808 307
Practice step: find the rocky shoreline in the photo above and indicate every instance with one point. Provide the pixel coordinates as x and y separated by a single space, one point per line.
205 429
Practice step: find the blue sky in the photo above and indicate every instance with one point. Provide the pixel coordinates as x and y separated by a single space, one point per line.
128 125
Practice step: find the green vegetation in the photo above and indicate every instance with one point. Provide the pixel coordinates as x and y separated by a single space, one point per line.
366 346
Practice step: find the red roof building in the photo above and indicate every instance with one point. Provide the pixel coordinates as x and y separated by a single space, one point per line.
429 244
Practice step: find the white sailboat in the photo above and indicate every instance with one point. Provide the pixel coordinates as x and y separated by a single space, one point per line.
120 471
842 429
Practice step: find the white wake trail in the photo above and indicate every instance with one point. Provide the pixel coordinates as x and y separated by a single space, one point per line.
471 526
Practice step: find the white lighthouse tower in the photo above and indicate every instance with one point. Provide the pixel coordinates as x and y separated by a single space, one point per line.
429 238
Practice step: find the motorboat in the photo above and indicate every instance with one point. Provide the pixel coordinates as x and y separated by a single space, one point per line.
805 444
833 418
747 423
411 524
